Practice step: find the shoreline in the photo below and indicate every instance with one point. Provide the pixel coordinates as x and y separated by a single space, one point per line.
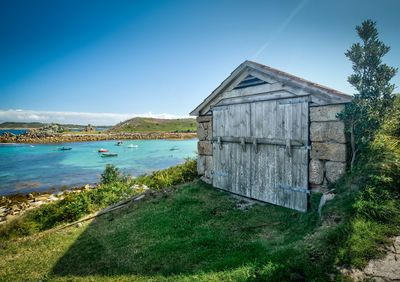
14 205
72 137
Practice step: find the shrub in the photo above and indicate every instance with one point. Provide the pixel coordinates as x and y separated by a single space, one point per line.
110 174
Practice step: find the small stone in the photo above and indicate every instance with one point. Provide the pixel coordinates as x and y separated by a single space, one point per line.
325 113
53 198
30 196
78 225
329 151
15 208
204 148
334 170
316 172
37 203
327 131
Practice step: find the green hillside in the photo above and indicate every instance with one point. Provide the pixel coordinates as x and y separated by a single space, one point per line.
140 124
21 124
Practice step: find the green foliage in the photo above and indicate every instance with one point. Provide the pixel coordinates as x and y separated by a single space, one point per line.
114 188
110 174
371 79
171 176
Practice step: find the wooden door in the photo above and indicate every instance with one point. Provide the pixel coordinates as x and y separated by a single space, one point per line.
260 150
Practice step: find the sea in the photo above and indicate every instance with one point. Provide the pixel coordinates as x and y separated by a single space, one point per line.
26 168
14 131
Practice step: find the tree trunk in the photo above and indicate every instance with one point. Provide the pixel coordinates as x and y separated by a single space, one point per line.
353 146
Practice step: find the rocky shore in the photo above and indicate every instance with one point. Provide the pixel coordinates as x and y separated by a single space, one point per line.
15 205
35 137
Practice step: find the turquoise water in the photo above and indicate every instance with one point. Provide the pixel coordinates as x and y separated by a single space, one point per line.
14 131
25 168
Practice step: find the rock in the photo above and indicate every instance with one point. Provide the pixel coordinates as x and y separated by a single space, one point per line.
316 172
204 119
15 208
201 165
387 268
325 113
139 187
43 197
52 198
204 165
30 196
325 197
78 225
204 131
329 151
87 187
209 167
334 170
37 203
327 131
9 217
204 148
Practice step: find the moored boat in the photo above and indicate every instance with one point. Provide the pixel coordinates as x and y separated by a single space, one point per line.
65 148
105 155
132 146
103 150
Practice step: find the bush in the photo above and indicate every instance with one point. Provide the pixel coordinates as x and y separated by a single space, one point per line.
110 174
171 176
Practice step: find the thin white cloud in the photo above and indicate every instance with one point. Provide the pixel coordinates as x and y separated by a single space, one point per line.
74 117
282 27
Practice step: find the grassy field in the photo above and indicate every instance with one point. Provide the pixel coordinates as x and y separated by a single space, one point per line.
139 124
196 232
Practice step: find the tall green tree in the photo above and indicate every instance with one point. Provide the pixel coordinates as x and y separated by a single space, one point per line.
374 92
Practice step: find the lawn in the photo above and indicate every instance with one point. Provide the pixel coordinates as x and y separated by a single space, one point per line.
192 233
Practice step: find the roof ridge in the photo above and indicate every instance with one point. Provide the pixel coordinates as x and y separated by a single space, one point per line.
300 79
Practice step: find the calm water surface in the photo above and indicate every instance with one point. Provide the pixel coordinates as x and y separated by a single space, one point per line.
25 168
14 131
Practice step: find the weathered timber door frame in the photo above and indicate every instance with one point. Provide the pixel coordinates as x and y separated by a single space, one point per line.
260 150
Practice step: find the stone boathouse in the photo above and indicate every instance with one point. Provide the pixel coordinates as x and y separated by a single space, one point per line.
271 136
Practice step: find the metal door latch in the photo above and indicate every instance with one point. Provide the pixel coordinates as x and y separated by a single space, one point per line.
255 145
243 144
219 142
288 147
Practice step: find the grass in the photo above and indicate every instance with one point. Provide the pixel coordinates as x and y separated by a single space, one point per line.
139 124
194 232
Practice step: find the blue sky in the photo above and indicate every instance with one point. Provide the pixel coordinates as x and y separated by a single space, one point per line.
129 58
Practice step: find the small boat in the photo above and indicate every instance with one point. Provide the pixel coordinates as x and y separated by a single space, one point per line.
132 146
119 143
103 150
65 148
174 148
105 155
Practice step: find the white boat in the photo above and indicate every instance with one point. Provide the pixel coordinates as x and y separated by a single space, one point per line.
132 146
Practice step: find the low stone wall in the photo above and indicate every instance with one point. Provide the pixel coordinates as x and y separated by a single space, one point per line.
204 148
328 157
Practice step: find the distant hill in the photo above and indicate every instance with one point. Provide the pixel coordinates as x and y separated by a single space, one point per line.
141 124
21 125
16 125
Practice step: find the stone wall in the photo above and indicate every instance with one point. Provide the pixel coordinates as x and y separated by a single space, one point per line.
328 157
204 148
